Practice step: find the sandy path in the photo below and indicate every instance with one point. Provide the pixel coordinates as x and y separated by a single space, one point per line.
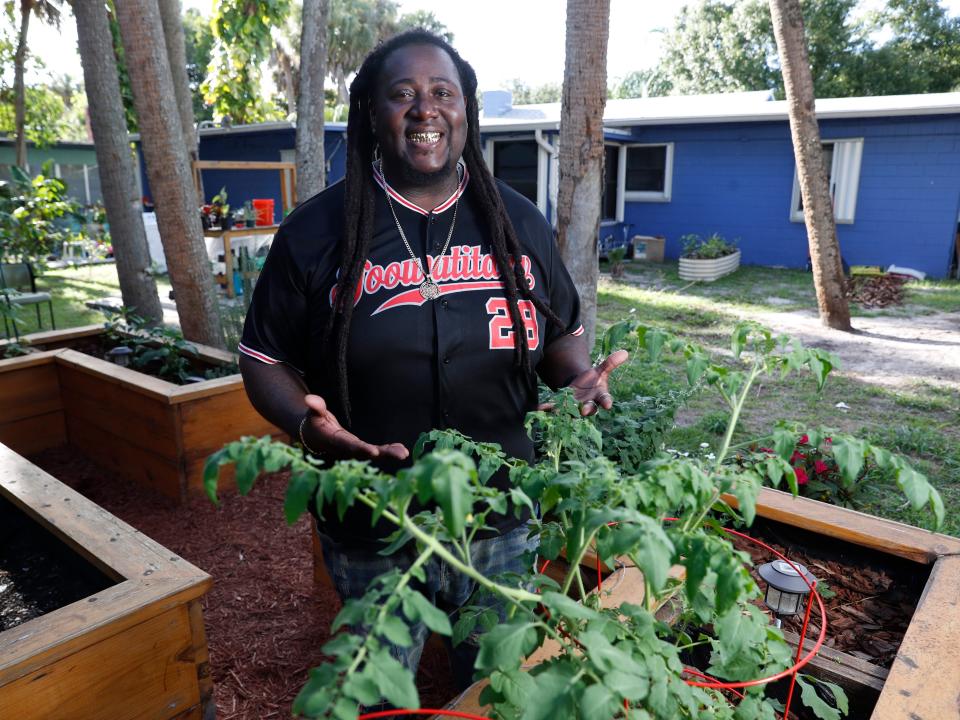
886 350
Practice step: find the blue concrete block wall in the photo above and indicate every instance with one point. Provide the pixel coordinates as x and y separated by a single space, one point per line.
737 179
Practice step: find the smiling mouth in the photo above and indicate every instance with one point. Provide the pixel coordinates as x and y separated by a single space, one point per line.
426 138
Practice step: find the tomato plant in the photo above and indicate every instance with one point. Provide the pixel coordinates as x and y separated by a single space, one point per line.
612 661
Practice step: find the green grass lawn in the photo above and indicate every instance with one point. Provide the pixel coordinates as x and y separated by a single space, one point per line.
922 421
71 288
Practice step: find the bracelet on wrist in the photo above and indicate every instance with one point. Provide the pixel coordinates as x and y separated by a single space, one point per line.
300 433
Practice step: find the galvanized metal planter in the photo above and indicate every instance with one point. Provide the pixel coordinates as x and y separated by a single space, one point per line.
709 270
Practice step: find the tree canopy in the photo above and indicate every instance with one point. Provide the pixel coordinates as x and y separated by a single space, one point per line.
909 46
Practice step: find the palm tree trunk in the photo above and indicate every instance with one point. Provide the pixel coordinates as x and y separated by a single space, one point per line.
115 162
811 174
311 163
168 170
172 20
19 92
581 149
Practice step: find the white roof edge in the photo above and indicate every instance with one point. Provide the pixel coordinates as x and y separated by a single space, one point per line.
254 127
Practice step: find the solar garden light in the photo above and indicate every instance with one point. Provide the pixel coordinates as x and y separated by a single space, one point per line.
786 588
120 355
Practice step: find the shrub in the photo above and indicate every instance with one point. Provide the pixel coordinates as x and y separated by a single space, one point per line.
713 247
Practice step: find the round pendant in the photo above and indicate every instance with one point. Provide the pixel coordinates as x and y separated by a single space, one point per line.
429 290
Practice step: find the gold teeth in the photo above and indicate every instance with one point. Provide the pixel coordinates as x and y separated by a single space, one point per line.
424 137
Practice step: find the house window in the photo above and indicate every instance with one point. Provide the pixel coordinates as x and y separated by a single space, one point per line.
516 162
842 160
611 171
74 177
648 175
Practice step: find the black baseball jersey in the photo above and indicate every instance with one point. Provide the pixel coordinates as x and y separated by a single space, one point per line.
413 364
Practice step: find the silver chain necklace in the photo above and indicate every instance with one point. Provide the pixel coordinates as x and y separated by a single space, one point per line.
429 290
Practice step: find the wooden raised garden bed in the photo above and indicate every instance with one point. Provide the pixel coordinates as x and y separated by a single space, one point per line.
147 429
134 649
923 681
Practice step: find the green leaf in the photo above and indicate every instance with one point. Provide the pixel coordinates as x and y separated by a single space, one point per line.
425 611
463 627
506 646
395 631
362 688
568 607
300 489
653 341
653 557
248 469
598 703
810 698
784 443
613 337
697 364
211 472
849 452
394 680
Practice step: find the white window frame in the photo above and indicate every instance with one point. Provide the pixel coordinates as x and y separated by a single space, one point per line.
543 161
621 175
643 195
844 181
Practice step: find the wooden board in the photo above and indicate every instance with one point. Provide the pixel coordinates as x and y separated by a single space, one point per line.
28 388
118 412
35 434
54 339
208 423
924 680
116 375
133 639
887 536
161 473
140 673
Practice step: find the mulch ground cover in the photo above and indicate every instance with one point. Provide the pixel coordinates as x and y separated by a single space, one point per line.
876 291
265 618
870 611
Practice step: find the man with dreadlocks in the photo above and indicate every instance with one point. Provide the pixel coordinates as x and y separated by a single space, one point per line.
419 293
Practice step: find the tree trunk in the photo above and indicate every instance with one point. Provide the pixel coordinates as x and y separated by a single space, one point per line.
115 162
581 149
311 163
19 92
811 174
172 20
168 170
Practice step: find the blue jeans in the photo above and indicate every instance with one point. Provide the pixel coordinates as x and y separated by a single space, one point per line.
353 568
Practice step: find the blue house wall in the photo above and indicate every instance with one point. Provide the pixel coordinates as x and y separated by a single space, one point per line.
261 146
737 179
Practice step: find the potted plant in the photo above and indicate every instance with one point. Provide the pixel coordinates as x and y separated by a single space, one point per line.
220 210
708 259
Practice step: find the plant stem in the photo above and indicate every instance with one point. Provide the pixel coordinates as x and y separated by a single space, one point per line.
575 564
516 594
387 608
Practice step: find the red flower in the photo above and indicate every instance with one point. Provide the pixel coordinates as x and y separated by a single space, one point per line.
768 451
801 475
827 441
804 439
797 455
820 467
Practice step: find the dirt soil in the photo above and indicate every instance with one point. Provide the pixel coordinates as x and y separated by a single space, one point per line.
869 612
265 618
894 351
38 573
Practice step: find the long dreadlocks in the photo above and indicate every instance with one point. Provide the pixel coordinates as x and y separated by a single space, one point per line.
360 198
